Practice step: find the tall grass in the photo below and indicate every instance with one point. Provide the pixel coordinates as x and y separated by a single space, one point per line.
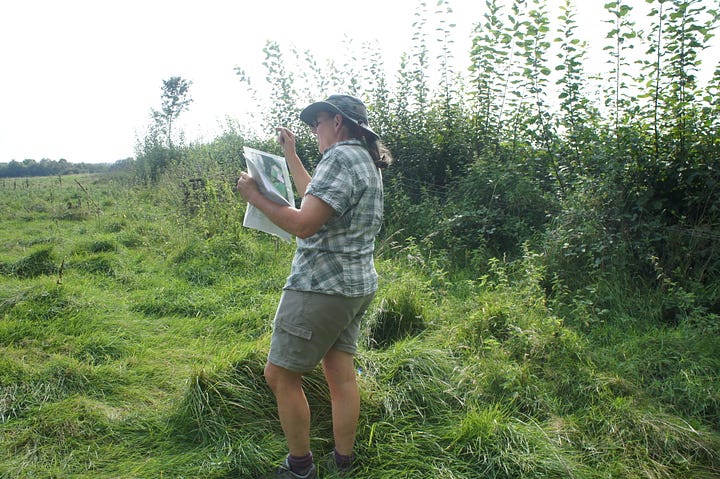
144 358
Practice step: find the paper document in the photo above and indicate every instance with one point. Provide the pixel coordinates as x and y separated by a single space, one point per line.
273 179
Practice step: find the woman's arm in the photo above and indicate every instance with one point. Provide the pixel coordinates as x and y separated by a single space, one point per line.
303 222
300 176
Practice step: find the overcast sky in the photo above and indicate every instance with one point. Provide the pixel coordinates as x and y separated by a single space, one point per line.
79 77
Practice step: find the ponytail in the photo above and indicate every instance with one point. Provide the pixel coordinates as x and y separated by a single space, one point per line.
380 154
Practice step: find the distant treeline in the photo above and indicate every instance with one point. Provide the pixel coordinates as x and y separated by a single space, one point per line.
46 167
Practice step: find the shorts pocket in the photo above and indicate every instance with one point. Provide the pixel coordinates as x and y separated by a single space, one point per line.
297 331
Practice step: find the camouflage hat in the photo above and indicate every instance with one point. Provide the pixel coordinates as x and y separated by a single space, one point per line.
348 106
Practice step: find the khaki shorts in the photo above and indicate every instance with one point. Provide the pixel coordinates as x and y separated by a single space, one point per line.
307 325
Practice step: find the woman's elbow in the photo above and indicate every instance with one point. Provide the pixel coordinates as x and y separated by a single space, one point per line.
305 232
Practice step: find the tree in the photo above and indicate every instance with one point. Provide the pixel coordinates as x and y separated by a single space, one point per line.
175 100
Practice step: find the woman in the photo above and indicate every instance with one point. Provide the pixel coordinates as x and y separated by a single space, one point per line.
332 279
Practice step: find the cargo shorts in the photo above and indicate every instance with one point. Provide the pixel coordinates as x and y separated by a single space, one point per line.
307 325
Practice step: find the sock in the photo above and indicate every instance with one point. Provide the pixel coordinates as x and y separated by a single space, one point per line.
300 464
343 461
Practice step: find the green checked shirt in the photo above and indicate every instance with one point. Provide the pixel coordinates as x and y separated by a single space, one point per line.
338 259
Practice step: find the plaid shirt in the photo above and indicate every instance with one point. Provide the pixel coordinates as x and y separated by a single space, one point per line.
338 259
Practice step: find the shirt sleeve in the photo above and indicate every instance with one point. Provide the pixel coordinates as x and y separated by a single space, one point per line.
332 183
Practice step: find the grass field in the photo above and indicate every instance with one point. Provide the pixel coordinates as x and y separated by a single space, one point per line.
133 335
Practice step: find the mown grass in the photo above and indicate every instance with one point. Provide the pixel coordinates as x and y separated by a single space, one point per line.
133 337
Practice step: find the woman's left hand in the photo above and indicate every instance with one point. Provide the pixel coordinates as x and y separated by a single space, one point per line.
247 187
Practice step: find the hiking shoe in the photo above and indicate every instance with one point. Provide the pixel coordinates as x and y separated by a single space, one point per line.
333 468
284 472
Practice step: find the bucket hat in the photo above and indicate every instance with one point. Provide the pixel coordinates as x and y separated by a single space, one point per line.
346 105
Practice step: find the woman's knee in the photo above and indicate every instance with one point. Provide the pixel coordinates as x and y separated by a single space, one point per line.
279 378
339 368
272 376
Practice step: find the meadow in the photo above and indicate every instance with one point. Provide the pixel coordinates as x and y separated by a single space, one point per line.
133 339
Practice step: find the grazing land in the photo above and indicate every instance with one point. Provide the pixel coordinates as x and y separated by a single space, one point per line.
133 341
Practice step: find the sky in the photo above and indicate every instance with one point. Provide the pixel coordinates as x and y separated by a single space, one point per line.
79 78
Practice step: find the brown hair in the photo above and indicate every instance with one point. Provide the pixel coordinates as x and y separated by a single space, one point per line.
380 154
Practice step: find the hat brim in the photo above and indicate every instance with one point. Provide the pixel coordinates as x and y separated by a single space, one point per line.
309 114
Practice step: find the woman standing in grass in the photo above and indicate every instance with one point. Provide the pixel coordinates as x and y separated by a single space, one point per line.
332 279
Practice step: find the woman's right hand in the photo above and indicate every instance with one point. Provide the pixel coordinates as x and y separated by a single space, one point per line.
286 138
299 174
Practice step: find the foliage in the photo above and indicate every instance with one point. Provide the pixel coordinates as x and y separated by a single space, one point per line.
521 149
